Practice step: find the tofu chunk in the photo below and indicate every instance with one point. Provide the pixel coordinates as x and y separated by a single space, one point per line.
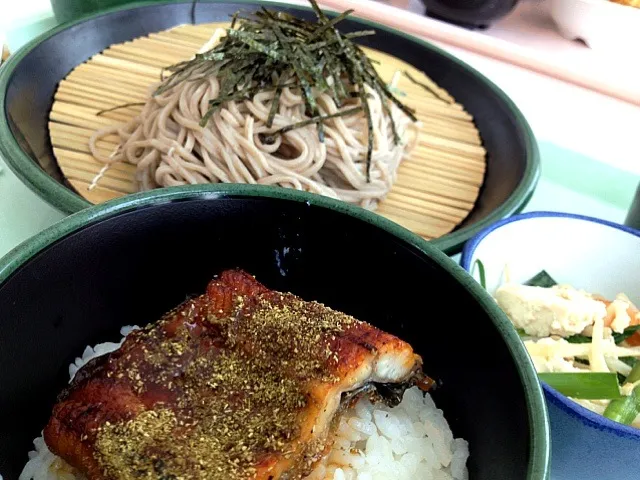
541 312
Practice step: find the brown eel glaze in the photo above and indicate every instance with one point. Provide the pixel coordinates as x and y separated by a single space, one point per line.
240 383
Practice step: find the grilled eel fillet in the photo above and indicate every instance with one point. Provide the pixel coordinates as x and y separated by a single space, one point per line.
240 383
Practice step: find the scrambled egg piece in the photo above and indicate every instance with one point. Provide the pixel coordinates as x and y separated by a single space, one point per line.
618 311
540 312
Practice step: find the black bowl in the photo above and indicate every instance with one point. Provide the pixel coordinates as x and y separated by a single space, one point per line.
470 13
29 80
129 260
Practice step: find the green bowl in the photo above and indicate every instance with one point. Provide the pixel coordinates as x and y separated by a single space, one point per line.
29 80
128 261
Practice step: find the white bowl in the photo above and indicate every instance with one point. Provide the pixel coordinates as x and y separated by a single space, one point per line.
588 253
591 254
601 24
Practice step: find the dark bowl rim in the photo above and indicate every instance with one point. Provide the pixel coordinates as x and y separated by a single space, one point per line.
539 453
573 409
64 199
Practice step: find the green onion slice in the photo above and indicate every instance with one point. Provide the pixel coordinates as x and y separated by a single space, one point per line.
587 385
634 374
483 277
625 409
521 332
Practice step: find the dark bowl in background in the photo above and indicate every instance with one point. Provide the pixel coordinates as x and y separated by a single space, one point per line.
469 13
29 80
129 260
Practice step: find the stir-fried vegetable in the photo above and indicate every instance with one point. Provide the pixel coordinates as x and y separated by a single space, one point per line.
611 363
617 337
587 385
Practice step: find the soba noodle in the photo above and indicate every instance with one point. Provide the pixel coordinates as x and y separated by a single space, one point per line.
169 147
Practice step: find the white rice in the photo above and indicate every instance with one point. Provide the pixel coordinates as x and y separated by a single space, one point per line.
407 442
372 442
44 465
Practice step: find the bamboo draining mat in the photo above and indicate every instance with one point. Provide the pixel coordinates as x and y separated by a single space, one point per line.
436 187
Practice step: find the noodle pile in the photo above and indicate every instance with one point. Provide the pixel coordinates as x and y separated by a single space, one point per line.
169 147
277 101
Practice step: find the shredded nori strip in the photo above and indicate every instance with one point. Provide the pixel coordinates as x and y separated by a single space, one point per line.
261 49
317 120
132 104
274 106
426 87
367 112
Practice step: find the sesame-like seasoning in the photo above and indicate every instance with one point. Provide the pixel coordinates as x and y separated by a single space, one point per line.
222 393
